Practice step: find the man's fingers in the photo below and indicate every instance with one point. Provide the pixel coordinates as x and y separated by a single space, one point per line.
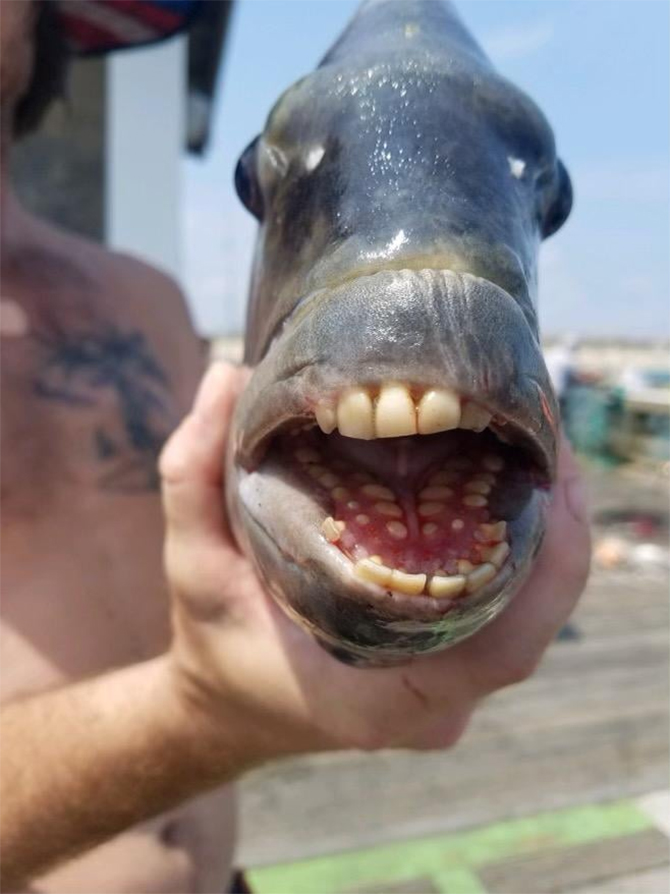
509 649
191 465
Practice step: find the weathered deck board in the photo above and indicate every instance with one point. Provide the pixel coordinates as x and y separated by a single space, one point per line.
560 870
651 881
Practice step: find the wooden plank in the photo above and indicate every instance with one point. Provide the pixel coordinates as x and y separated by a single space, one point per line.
651 881
423 885
314 807
560 870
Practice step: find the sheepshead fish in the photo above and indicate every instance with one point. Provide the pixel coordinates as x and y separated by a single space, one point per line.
393 453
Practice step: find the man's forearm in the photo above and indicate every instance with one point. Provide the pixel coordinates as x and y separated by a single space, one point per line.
83 763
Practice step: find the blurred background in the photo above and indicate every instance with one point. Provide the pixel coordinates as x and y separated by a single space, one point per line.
561 783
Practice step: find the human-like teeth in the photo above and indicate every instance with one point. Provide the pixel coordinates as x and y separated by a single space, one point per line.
439 410
355 414
372 571
391 509
496 555
412 584
396 529
476 500
326 418
477 487
332 529
450 587
481 575
474 417
378 491
493 533
394 415
464 567
493 463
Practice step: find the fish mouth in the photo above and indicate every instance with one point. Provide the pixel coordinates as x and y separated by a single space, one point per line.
390 515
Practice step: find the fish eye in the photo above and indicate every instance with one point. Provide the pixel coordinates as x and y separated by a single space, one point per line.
246 181
560 206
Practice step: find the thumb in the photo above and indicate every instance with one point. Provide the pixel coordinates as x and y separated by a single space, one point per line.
191 464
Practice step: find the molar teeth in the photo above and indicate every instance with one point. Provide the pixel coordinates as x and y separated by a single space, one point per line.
480 576
439 410
495 532
396 529
371 571
446 586
332 529
493 463
326 418
412 584
391 509
395 415
477 487
355 414
474 417
476 500
496 555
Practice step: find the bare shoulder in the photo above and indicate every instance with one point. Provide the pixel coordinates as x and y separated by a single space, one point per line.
157 304
144 301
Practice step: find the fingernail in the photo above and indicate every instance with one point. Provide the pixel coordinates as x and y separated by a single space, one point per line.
577 499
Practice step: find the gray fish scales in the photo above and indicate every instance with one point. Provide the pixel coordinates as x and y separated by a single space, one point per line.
394 450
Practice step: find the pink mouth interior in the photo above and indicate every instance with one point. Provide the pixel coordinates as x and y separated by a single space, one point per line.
409 501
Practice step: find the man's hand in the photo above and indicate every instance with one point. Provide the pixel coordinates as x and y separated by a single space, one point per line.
241 664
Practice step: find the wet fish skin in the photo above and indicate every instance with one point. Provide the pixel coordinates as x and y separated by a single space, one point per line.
402 190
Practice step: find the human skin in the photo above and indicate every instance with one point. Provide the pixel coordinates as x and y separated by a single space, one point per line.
241 684
83 588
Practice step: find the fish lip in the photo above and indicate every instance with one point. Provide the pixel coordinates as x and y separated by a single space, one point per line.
302 305
285 390
316 590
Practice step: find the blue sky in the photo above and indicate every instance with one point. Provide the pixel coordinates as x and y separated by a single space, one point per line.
600 71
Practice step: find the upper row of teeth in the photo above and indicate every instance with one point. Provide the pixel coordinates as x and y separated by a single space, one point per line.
394 412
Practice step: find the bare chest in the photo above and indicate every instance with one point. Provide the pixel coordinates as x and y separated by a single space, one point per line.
83 421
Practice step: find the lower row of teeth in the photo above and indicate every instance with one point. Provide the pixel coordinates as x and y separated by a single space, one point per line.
471 577
491 548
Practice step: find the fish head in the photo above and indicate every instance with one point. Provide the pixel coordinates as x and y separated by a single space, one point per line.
393 454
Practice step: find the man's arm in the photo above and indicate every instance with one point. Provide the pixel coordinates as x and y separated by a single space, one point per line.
83 763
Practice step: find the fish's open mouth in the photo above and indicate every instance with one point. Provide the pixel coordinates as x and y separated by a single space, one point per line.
413 485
